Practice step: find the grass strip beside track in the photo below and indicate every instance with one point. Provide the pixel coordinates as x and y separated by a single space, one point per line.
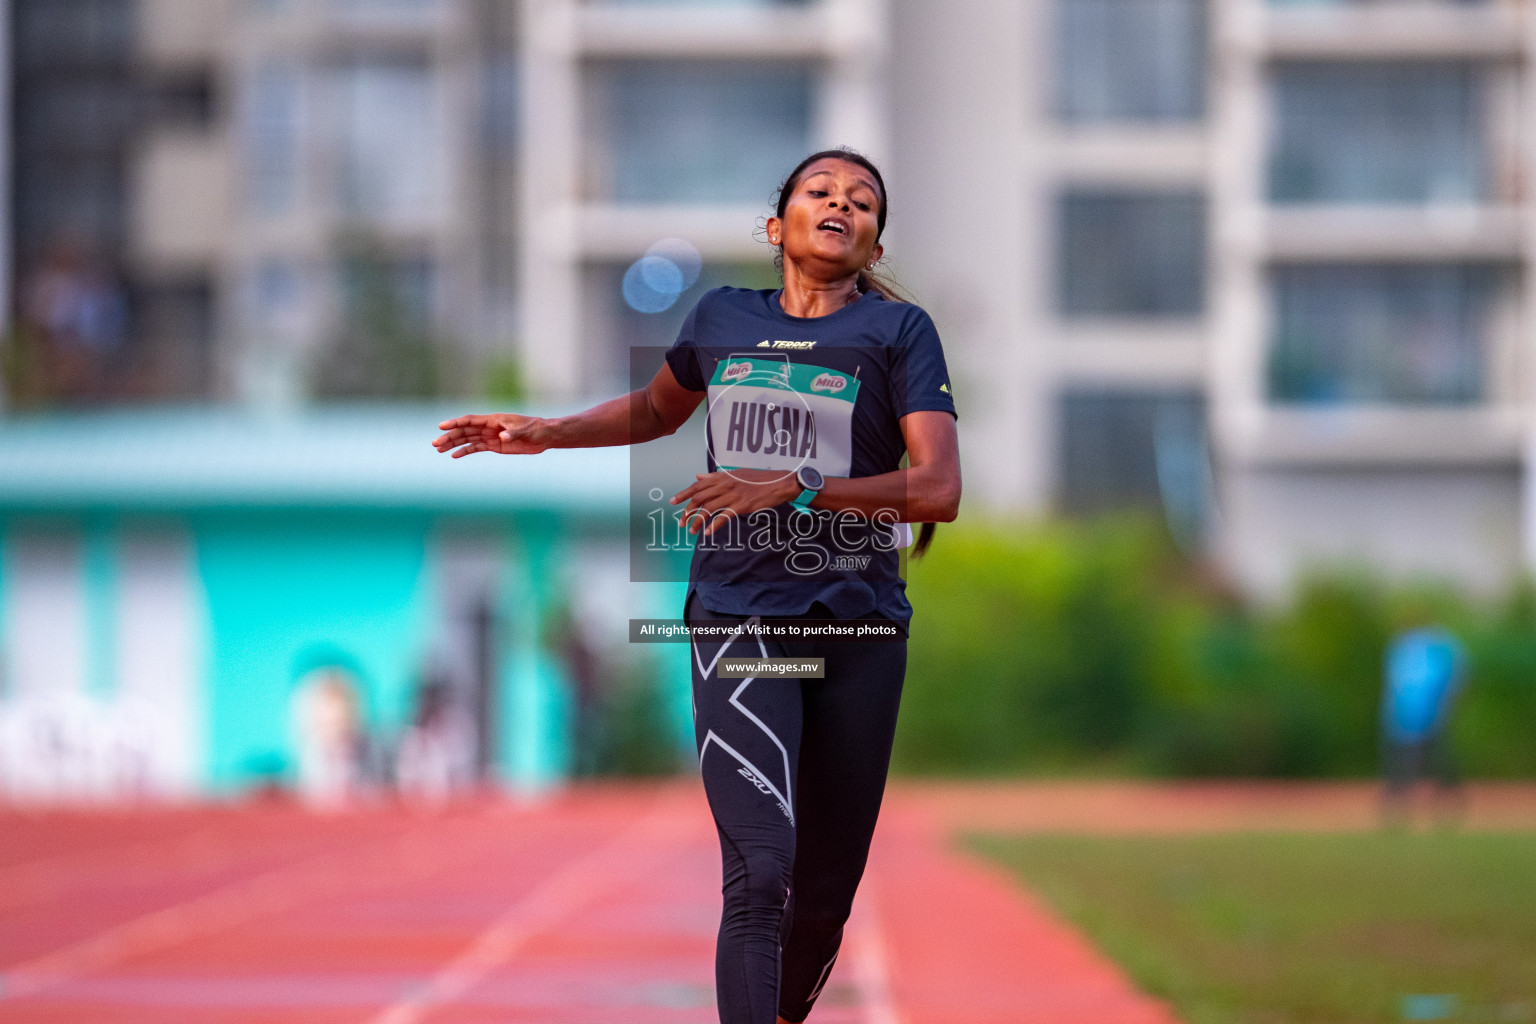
1302 928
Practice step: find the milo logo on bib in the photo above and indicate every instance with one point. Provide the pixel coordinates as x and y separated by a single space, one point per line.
833 382
774 414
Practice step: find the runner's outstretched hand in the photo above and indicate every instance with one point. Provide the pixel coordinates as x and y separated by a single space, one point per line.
506 433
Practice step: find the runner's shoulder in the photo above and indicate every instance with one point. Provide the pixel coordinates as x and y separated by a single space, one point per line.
727 301
730 296
905 321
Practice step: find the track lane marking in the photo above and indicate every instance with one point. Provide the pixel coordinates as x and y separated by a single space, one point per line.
46 878
871 962
417 852
621 861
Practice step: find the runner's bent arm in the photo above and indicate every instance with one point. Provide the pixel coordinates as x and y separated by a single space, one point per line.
928 491
645 414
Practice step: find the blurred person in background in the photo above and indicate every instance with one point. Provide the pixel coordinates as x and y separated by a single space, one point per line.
794 768
1424 666
435 758
77 309
328 736
567 640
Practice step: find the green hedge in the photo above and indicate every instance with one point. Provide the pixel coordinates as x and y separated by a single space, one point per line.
1095 648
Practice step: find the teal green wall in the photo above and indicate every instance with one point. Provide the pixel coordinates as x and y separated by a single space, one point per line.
666 602
5 543
287 588
100 554
536 749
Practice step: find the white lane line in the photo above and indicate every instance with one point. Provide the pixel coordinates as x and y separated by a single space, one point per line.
335 871
46 878
624 860
871 962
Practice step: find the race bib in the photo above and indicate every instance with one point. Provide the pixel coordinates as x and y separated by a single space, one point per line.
775 414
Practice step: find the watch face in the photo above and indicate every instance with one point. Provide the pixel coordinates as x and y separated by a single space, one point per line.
809 477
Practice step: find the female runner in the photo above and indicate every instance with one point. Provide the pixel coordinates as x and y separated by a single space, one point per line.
815 393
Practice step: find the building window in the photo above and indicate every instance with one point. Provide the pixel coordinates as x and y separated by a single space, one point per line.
386 10
62 34
1406 334
1130 60
1373 3
281 301
392 145
176 318
89 111
74 114
61 201
700 132
1130 253
698 3
274 130
183 100
1378 133
382 126
1135 449
500 112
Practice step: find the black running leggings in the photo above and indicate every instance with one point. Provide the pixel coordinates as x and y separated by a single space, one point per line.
794 770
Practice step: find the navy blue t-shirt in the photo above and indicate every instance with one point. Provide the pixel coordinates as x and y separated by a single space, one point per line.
827 392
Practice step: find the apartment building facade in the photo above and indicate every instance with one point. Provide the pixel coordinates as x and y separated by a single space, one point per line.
1265 265
1371 373
1262 266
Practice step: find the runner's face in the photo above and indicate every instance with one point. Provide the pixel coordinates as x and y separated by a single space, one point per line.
831 221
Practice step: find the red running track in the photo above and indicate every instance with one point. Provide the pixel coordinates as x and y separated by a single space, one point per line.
596 906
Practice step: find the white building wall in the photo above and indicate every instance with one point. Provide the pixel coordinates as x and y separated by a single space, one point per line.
969 227
159 643
1406 523
43 631
102 644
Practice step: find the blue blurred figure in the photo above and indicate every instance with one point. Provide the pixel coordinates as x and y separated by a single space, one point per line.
1424 669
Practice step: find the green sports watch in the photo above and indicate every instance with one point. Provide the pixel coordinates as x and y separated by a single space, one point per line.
811 480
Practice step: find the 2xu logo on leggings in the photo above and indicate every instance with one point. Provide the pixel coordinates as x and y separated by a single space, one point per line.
765 789
774 414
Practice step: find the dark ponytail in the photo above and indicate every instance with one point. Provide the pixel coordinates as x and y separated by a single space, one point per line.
868 280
